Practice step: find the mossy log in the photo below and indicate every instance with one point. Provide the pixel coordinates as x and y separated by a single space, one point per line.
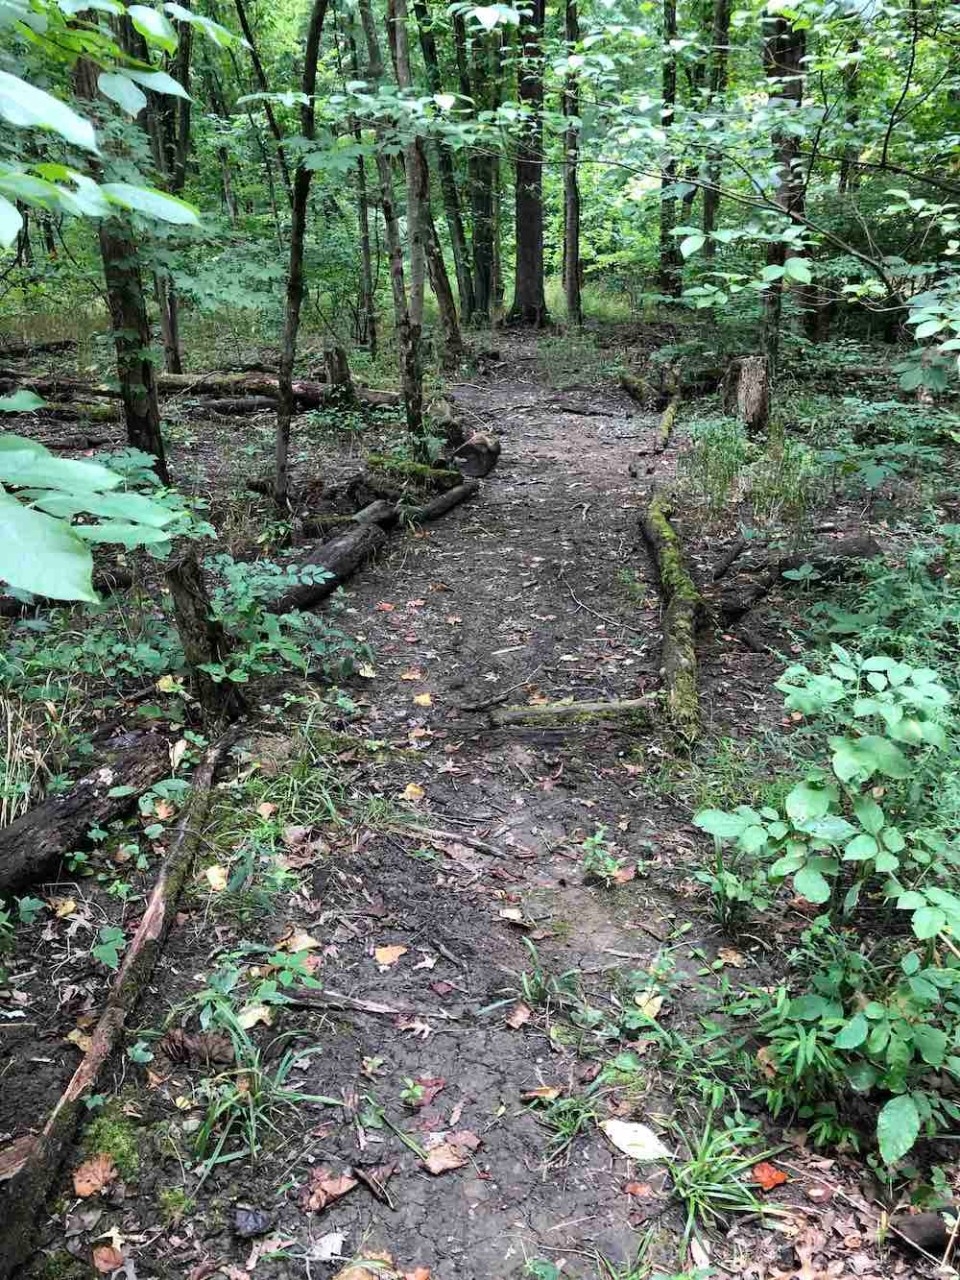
638 388
32 847
667 423
23 1195
634 712
421 474
334 562
682 613
443 503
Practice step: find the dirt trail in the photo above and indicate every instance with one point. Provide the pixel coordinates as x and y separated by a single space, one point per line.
539 586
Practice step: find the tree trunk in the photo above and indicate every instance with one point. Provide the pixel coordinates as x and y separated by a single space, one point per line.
783 52
445 170
261 77
202 640
529 304
719 65
746 392
849 176
571 186
670 280
298 226
440 284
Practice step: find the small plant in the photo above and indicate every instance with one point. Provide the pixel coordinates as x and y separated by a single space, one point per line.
540 988
710 1183
110 942
566 1118
599 862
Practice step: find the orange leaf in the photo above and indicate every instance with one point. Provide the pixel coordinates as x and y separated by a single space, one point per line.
768 1175
325 1187
386 956
94 1174
107 1258
519 1016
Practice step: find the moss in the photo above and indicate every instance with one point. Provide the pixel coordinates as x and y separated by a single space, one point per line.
116 1134
174 1204
59 1266
420 472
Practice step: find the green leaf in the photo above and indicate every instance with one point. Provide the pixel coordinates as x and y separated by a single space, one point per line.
27 107
27 469
151 202
158 82
860 848
869 814
40 554
853 1033
127 535
797 269
725 826
154 26
10 223
811 884
898 1127
125 506
806 801
692 244
122 91
21 402
927 922
932 1043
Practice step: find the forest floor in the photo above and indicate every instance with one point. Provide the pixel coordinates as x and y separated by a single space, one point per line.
433 876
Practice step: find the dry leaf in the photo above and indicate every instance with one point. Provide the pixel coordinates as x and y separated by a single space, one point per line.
387 956
94 1174
635 1140
420 1273
544 1093
414 674
649 1002
107 1258
639 1190
176 753
367 671
379 1266
80 1038
732 958
423 700
413 792
266 809
325 1187
513 915
518 1016
216 877
454 1153
62 907
385 607
625 875
163 810
297 940
768 1176
251 1014
766 1061
12 1157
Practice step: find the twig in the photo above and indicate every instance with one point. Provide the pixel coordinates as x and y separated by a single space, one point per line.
611 622
435 836
499 697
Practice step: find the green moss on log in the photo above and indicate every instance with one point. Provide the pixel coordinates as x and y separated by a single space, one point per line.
419 473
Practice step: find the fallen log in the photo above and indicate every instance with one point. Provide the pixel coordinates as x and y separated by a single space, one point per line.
830 562
665 429
31 847
380 511
635 711
24 1193
443 503
19 350
637 388
331 564
683 610
729 558
237 406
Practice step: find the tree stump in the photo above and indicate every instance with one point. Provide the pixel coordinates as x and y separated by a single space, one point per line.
202 639
477 456
338 373
746 392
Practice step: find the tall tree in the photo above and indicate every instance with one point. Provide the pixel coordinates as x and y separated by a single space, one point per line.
717 88
571 185
529 302
670 279
263 85
295 281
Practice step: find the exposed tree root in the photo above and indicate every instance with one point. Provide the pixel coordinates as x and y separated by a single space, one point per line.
31 847
25 1192
683 610
443 503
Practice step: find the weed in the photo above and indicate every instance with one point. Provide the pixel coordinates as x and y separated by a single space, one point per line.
599 862
709 1183
566 1119
538 988
114 1133
174 1204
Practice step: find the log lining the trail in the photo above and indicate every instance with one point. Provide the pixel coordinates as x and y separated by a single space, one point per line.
683 610
636 711
31 847
24 1193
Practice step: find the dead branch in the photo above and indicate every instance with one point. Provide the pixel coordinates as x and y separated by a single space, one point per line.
635 711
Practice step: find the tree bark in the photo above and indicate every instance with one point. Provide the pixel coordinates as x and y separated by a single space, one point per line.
340 557
671 264
719 66
31 847
571 186
529 303
446 306
368 302
202 640
295 284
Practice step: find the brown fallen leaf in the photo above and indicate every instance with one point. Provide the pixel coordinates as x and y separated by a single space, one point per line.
453 1153
203 1047
94 1174
419 1273
325 1187
519 1016
266 809
413 792
107 1258
768 1176
378 1266
639 1190
216 878
12 1157
163 810
387 956
62 907
544 1093
79 1038
423 700
414 674
297 940
732 958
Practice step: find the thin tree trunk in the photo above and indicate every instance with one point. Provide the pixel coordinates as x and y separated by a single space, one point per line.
169 320
298 226
849 177
261 77
783 52
571 186
445 170
446 306
226 180
671 264
529 304
368 306
719 65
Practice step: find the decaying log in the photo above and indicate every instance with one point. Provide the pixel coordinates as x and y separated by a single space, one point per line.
69 410
21 350
202 639
683 610
24 1194
746 392
831 561
31 847
380 511
334 562
637 388
634 711
237 406
443 503
667 421
729 558
477 456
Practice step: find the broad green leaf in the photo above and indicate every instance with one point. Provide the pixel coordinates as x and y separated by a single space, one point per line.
692 244
10 223
725 826
797 269
127 535
811 884
26 469
927 922
932 1043
121 90
155 27
860 848
806 801
151 202
27 107
898 1127
869 814
157 82
41 554
130 507
853 1034
21 402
